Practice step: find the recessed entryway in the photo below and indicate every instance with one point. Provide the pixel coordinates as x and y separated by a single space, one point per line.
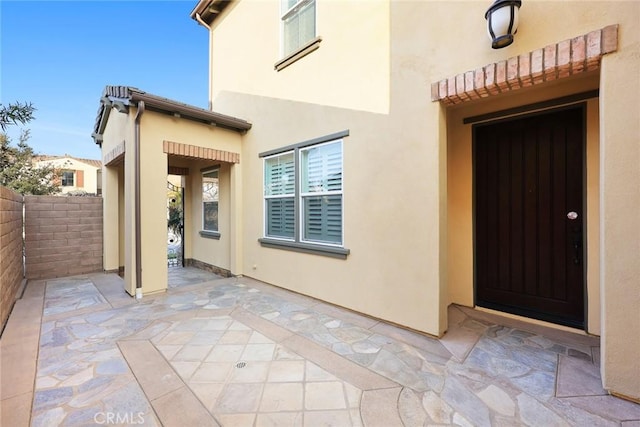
529 215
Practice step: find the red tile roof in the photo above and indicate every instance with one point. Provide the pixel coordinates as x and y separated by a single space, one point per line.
91 162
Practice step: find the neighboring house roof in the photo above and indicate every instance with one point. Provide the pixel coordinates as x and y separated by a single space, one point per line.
208 10
121 97
91 162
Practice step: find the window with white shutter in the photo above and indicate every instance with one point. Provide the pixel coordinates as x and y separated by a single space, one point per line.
321 193
303 197
298 19
279 194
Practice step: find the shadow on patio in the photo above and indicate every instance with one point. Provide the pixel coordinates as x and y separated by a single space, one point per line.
237 352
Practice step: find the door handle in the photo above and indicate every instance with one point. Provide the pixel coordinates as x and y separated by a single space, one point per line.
577 238
577 246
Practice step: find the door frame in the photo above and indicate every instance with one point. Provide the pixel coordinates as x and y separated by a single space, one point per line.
519 114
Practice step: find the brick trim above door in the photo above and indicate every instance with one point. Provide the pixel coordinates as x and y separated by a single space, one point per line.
197 152
556 61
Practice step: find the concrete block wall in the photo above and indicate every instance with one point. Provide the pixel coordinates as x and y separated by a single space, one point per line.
11 272
63 236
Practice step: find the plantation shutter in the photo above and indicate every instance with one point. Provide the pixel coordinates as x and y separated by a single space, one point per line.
280 196
299 23
281 217
323 219
322 193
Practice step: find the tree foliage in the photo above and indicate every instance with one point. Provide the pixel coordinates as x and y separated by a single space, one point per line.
18 170
15 113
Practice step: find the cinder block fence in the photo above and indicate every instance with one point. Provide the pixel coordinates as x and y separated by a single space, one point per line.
11 270
63 236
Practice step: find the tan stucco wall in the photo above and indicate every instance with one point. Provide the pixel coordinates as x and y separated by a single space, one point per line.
156 128
215 252
620 199
392 271
212 251
359 85
111 218
398 268
542 22
121 215
119 223
119 130
391 161
594 314
153 203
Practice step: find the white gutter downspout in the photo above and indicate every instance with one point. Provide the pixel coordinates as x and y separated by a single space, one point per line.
138 220
208 27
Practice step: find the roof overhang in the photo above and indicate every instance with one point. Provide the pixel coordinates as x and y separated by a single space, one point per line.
208 10
122 97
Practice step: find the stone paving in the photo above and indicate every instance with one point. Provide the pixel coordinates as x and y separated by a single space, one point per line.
238 352
179 276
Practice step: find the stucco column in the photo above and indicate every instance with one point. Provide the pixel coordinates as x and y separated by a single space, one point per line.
236 224
443 294
110 211
620 221
153 208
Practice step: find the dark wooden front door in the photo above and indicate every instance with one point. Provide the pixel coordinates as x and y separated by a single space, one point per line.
529 216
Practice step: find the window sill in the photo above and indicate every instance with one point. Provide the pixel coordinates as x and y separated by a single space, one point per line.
210 234
307 248
298 54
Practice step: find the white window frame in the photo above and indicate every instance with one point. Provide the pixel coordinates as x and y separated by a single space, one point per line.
338 251
285 14
298 195
277 196
301 195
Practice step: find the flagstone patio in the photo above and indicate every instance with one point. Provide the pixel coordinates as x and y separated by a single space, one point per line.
237 352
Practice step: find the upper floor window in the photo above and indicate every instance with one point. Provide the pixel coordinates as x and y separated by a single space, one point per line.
298 20
210 200
67 178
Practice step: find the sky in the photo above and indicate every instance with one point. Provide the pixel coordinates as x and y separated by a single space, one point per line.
60 55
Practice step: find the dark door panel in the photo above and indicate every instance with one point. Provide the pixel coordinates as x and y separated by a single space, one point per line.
528 175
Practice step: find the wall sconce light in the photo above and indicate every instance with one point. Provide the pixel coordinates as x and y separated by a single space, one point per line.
502 22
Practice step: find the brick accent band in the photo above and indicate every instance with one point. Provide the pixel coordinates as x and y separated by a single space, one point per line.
556 61
115 156
196 152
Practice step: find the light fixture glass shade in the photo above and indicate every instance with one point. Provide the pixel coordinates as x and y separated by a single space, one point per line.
502 22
